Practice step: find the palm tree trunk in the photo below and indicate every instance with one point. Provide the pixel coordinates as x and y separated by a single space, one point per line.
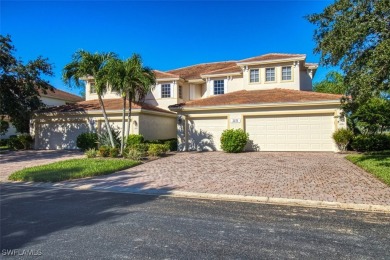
123 124
106 121
129 114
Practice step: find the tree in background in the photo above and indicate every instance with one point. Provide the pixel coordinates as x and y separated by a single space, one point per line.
333 83
355 34
373 116
85 64
19 86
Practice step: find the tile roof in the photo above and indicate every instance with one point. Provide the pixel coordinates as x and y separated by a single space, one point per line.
194 72
164 75
59 94
259 97
231 69
272 56
110 104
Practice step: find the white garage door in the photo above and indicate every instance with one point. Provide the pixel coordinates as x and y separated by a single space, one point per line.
291 133
204 134
55 136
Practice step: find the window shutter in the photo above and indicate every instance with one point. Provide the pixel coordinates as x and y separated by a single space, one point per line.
225 86
158 90
171 89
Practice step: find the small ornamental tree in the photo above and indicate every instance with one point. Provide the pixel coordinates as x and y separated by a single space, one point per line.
234 140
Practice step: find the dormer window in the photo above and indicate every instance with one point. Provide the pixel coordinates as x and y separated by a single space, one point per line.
286 73
269 74
219 87
254 76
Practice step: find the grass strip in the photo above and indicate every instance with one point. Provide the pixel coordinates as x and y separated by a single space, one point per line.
72 169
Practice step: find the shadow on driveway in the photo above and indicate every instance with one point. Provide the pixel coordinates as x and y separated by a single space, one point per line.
24 209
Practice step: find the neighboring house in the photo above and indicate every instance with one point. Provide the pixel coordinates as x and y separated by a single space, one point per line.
50 98
268 96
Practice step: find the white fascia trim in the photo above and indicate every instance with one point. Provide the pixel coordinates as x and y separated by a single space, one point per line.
194 81
221 75
270 61
100 114
244 106
167 79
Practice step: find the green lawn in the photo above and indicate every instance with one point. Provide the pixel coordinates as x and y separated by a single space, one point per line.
376 163
72 169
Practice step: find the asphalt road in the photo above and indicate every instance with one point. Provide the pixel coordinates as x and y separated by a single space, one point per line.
67 224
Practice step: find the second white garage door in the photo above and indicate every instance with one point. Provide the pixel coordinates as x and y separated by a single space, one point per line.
204 134
291 133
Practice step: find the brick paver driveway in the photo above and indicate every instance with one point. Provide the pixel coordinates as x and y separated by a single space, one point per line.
17 160
310 176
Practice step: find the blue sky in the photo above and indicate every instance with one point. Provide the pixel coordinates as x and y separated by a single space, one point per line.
166 34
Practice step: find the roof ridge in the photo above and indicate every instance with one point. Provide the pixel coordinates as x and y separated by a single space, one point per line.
206 63
235 65
274 53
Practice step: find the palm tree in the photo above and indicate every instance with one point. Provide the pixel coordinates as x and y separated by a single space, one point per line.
132 81
143 81
85 64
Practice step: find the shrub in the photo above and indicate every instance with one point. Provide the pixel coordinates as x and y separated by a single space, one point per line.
172 144
15 143
104 138
104 151
342 137
134 140
375 142
26 140
114 152
87 141
91 153
133 154
234 140
157 149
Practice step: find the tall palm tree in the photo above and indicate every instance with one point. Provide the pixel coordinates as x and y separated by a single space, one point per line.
85 64
132 81
143 81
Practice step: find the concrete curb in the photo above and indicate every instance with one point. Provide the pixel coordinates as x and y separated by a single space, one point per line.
222 197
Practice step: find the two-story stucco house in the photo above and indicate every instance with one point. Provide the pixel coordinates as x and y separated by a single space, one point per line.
268 96
50 98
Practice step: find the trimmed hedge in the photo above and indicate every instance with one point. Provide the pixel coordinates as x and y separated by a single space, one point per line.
368 143
171 143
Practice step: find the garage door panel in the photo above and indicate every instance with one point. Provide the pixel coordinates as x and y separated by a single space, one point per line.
291 133
62 135
204 133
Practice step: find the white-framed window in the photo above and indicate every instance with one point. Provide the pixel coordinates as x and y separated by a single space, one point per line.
269 74
286 73
180 92
219 87
92 88
165 90
254 75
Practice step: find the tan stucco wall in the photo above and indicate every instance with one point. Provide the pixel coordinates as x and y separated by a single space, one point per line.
278 83
236 116
157 127
60 131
